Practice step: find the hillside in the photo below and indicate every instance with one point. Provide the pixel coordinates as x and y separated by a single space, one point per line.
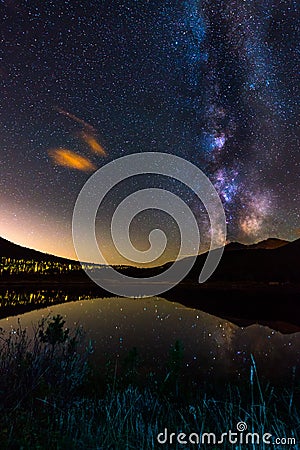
260 263
10 250
270 260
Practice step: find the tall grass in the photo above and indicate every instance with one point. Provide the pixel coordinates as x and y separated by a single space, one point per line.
50 398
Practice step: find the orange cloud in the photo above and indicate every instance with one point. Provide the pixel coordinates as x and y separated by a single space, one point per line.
92 142
67 158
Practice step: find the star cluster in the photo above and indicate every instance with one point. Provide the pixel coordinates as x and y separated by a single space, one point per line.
82 83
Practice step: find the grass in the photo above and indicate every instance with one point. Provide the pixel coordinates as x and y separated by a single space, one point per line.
52 397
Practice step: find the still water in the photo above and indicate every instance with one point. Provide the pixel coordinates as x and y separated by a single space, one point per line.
212 346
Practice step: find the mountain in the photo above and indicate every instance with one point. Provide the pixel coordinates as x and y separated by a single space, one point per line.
250 284
10 250
270 261
268 244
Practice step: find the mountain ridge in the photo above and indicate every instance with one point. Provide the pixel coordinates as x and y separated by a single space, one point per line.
10 249
269 261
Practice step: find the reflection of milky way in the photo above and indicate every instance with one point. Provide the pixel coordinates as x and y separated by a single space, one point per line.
211 344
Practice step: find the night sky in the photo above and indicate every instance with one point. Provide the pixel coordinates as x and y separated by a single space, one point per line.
83 83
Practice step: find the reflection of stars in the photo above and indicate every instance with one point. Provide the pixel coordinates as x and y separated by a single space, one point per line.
211 345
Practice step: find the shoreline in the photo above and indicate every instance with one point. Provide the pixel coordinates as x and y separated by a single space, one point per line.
273 305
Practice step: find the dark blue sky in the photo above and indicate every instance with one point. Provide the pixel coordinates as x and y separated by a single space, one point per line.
216 82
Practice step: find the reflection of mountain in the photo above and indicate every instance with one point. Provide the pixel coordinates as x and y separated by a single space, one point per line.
212 346
250 284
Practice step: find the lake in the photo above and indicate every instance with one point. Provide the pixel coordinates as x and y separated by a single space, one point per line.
212 346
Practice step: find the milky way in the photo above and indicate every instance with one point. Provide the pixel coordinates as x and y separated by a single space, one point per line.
215 82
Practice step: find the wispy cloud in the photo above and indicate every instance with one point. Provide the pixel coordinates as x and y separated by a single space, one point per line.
67 158
76 119
93 143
